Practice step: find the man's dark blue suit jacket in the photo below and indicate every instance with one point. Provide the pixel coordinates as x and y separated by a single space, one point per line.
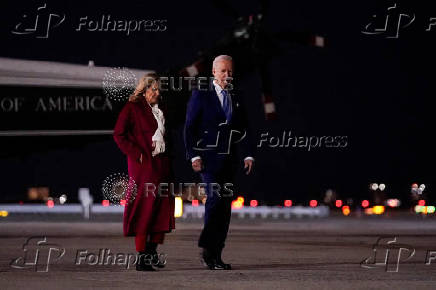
209 135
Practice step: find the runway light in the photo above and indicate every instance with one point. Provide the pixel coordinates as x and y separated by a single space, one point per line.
393 202
123 202
346 210
195 202
419 208
338 203
288 203
422 186
365 203
430 209
369 211
4 213
178 207
421 202
50 203
382 186
313 203
253 203
241 200
415 185
373 186
378 209
105 202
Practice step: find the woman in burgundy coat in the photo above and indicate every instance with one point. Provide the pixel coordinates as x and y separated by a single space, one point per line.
139 133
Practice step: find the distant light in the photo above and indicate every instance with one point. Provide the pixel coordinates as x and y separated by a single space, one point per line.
373 186
21 202
195 202
123 202
178 207
240 199
346 210
62 198
421 202
253 203
365 203
237 204
378 209
430 209
415 185
105 202
4 213
313 203
422 187
288 203
338 203
393 202
382 186
50 203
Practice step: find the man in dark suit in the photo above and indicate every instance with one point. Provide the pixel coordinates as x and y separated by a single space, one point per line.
215 127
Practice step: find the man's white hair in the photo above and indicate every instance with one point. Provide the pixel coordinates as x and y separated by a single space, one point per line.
221 58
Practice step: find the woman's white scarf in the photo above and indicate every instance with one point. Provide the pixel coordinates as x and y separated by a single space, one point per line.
160 131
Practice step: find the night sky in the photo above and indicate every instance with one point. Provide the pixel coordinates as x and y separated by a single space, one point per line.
373 89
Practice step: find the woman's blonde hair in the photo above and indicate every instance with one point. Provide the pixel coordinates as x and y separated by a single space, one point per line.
144 83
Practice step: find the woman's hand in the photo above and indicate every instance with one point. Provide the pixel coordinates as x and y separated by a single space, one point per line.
153 144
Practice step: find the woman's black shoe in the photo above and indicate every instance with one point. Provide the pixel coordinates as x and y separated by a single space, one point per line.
157 262
151 248
144 262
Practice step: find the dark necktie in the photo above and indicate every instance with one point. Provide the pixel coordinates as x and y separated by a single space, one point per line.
226 105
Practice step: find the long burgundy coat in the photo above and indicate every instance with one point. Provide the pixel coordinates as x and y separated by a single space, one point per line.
147 212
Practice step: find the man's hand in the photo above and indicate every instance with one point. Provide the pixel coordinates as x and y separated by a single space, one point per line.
248 164
140 159
197 165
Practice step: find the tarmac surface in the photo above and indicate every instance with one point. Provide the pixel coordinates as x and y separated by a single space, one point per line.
323 253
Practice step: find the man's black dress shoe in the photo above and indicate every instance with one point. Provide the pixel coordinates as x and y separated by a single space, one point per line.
209 259
220 263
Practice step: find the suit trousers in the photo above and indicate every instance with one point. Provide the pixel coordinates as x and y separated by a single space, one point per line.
217 209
